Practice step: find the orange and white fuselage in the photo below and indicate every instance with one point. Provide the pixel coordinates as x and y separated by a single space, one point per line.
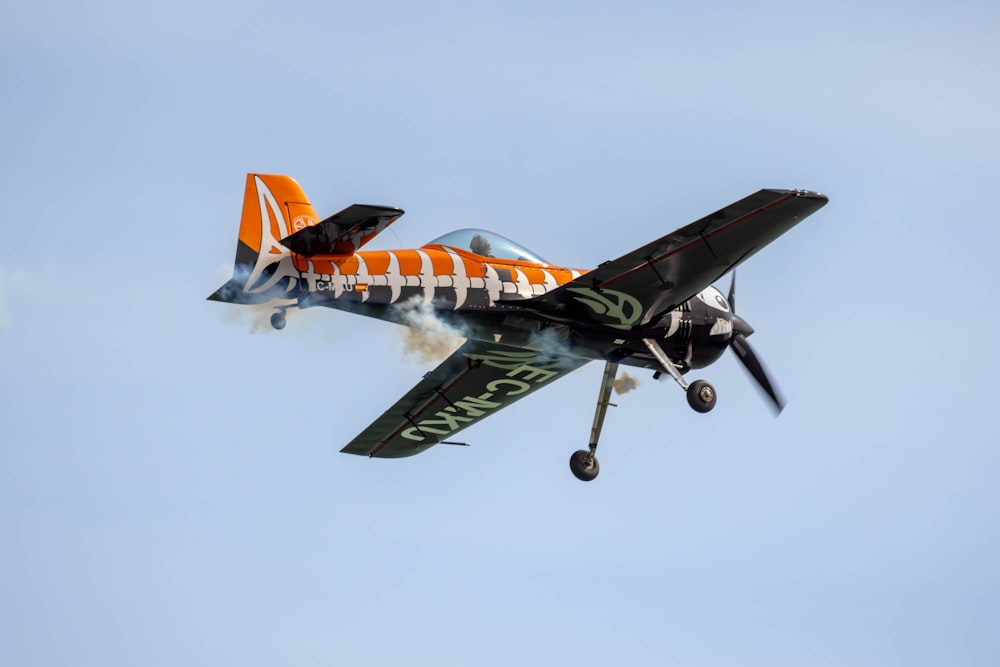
434 273
441 276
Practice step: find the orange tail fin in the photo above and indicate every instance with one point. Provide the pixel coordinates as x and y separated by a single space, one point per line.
274 207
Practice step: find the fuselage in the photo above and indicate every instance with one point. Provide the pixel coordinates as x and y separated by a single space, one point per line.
489 298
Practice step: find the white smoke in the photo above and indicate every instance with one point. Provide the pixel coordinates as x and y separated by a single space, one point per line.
257 317
625 383
427 338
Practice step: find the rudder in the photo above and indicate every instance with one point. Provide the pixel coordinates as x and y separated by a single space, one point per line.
274 207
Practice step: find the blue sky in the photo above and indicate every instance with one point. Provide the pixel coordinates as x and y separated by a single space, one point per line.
171 490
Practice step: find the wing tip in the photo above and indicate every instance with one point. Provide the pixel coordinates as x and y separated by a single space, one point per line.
805 194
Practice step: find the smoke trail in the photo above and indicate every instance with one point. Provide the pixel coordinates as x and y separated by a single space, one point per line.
425 337
257 317
625 383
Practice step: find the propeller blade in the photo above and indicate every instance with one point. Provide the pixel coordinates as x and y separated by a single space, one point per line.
749 360
732 293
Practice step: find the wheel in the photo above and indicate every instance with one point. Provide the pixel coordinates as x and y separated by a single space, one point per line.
584 465
278 321
701 396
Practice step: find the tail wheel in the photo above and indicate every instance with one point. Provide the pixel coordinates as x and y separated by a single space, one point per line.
584 465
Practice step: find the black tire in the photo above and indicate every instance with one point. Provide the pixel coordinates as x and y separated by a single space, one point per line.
278 321
584 466
701 396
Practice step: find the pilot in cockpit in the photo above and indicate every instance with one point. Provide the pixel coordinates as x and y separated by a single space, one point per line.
480 246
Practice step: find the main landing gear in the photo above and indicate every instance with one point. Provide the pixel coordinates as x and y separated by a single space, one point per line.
583 463
700 395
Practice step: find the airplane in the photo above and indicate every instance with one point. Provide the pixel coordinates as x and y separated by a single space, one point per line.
526 322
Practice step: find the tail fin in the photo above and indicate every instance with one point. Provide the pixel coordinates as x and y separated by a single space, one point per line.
274 207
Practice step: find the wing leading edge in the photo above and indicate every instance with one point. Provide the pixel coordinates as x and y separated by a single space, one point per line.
630 291
477 380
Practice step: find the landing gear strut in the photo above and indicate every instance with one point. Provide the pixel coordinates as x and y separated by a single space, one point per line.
584 463
700 394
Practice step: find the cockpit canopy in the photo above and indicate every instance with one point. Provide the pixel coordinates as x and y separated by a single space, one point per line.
487 244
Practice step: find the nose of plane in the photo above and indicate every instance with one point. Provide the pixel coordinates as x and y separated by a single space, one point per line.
741 326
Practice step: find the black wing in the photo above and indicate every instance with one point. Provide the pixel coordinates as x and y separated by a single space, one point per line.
635 288
477 380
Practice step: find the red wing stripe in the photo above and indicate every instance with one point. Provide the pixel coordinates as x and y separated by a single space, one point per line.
700 239
434 400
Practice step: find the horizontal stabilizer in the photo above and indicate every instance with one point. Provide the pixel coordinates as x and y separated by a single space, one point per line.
342 233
